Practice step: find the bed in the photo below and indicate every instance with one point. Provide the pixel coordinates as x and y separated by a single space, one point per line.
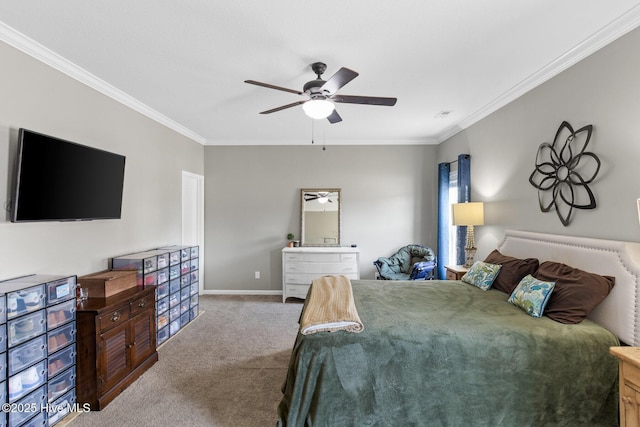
446 353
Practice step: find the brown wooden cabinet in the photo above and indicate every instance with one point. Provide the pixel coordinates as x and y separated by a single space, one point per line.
629 367
116 344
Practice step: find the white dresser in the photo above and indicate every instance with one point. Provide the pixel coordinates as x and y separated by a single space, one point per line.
303 264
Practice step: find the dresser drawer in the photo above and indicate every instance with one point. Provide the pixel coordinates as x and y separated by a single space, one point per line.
297 291
113 318
141 304
322 268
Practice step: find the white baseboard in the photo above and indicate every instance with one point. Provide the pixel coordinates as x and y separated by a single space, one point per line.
239 292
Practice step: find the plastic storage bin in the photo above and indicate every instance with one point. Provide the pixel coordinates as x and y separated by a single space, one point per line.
60 314
25 301
61 384
61 360
27 381
28 407
26 327
61 290
61 407
27 354
61 337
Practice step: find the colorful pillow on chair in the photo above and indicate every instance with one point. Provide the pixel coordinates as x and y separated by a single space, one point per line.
482 274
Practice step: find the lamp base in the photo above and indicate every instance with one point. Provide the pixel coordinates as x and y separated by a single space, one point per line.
469 256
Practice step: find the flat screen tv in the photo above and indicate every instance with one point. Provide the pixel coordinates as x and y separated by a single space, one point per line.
58 180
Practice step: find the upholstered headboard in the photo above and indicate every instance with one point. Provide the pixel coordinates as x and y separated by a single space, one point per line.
619 311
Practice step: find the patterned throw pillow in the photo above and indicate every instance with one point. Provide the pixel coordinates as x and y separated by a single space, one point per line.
532 295
481 274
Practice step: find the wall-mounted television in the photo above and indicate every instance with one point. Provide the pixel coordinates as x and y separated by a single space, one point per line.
58 180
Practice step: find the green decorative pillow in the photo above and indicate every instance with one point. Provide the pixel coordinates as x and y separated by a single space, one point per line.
532 295
482 274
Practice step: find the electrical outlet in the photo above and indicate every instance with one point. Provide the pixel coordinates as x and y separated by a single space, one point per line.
257 274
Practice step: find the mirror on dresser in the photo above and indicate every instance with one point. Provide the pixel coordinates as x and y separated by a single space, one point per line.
320 216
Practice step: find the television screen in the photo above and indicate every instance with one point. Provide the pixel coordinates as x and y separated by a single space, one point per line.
58 180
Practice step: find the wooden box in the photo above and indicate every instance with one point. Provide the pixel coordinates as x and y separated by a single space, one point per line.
108 282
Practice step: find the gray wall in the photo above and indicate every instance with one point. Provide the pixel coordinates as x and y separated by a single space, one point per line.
252 200
602 90
37 97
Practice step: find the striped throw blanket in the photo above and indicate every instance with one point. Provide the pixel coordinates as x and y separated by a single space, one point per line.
330 307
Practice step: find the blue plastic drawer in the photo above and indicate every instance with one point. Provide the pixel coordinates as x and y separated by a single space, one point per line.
174 299
26 381
174 285
195 264
174 327
195 288
61 337
3 309
163 260
25 301
174 272
184 306
59 314
184 319
162 320
194 275
162 291
61 290
163 275
174 313
174 258
26 327
162 305
3 338
61 384
185 293
194 300
163 335
195 252
27 354
194 312
185 267
61 360
185 280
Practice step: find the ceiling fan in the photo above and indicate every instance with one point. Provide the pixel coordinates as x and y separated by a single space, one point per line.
321 197
322 94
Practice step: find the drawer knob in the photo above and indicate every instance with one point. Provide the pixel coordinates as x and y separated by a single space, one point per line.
142 303
115 317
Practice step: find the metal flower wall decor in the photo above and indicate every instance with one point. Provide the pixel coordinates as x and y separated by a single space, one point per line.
563 172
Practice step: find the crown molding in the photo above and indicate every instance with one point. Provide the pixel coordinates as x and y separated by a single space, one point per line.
612 31
36 50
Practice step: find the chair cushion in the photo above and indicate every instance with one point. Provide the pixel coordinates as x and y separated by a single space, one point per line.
399 265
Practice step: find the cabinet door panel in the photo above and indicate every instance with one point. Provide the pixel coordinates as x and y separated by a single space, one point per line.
143 333
113 357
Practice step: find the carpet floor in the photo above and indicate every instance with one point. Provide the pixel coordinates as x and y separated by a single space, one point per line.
226 368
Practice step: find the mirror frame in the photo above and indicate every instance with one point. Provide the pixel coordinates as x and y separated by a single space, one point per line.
319 190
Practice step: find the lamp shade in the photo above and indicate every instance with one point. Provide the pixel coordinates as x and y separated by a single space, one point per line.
468 213
318 108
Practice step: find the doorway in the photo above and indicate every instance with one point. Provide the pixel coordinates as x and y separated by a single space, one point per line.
193 216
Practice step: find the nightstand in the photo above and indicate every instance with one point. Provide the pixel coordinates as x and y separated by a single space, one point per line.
455 272
629 368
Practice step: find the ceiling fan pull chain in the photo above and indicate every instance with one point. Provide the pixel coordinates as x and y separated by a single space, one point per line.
312 126
324 148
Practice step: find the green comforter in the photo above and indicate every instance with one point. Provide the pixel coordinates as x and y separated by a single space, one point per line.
444 353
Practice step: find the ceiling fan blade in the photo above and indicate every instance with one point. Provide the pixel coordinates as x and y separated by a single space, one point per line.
334 117
339 79
273 110
270 86
368 100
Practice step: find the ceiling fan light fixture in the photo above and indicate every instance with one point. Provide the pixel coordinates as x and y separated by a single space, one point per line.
318 108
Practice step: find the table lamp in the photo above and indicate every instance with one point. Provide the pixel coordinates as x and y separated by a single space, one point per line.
469 214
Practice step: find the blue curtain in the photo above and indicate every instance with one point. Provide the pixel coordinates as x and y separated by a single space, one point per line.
443 218
464 195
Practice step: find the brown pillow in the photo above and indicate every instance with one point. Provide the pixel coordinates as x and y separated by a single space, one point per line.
512 271
576 293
